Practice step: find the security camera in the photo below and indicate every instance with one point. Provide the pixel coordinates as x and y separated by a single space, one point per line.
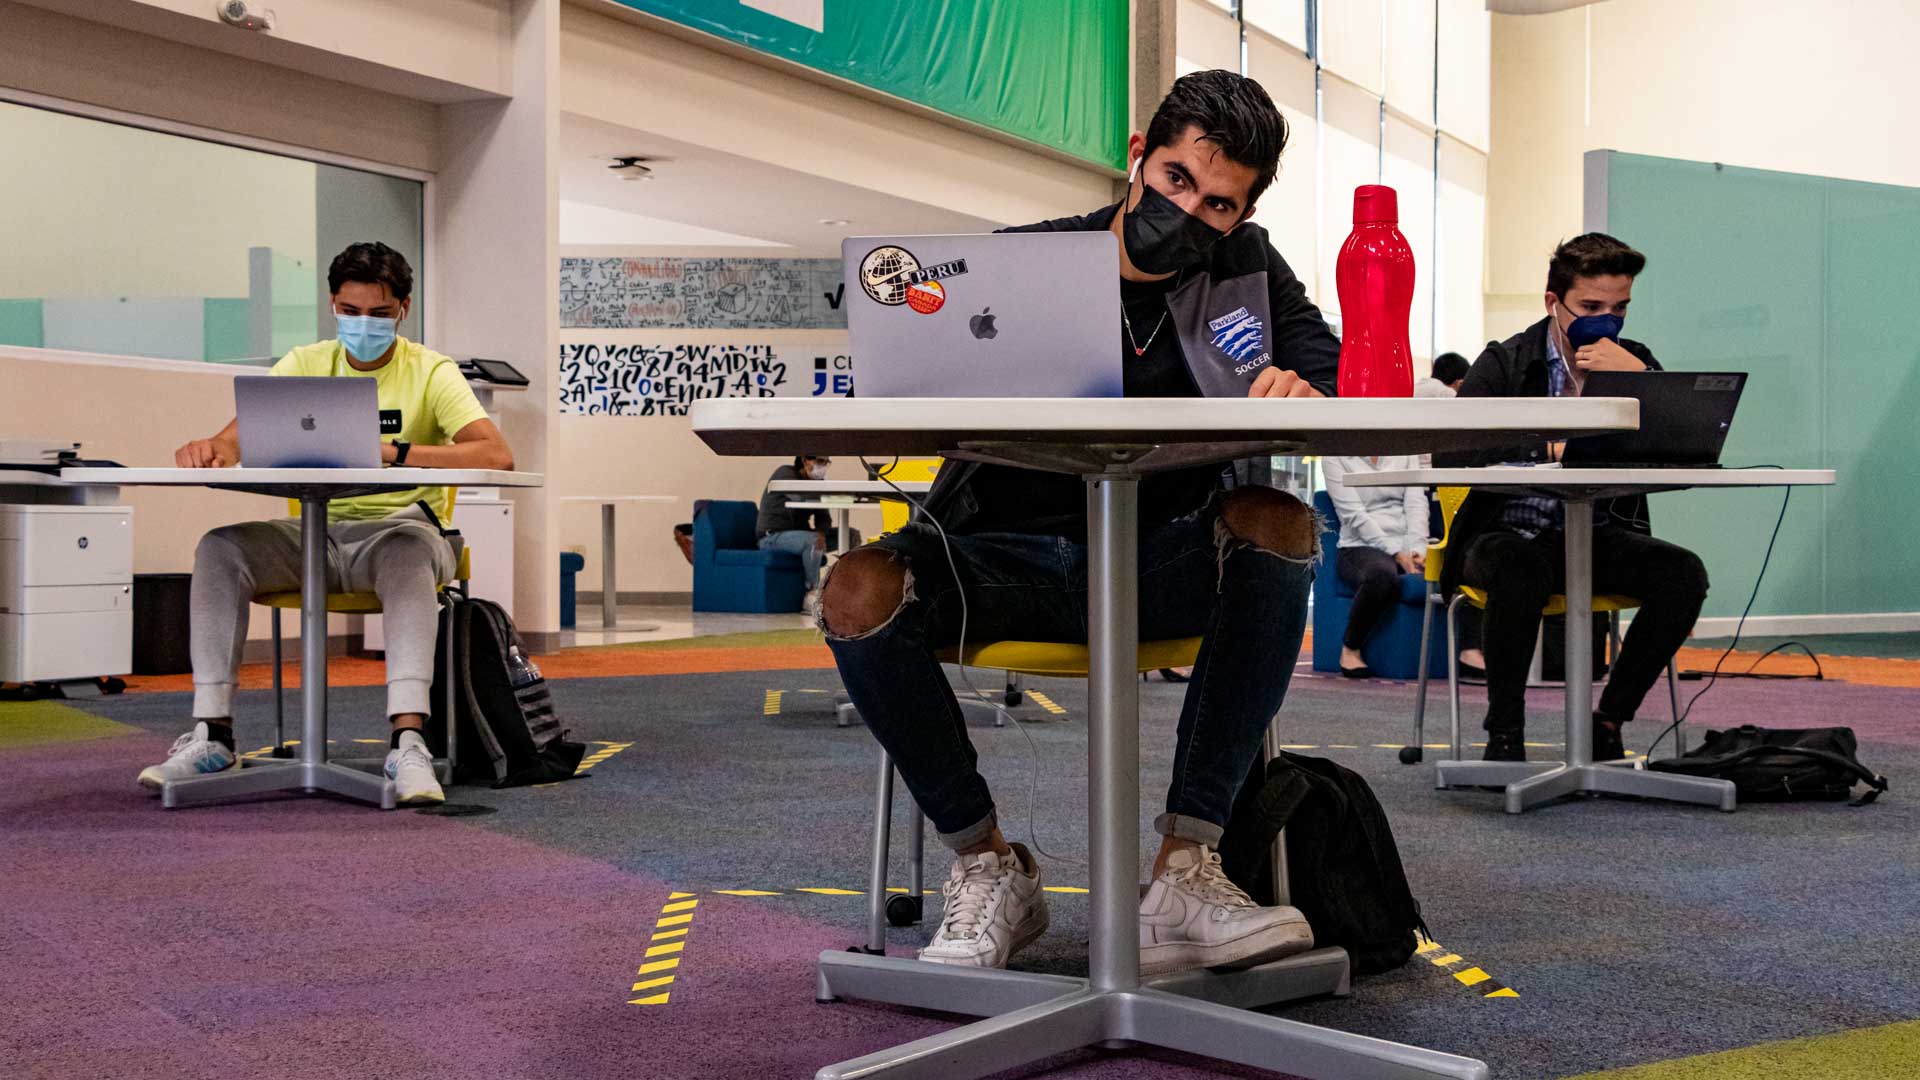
244 15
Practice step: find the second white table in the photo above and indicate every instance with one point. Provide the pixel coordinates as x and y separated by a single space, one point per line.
609 592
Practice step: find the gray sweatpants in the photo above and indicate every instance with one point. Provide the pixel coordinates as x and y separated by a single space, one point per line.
401 558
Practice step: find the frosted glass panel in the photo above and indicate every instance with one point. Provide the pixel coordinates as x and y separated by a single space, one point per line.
1350 32
1460 315
1409 59
1350 155
1284 19
1205 37
1286 210
1409 172
1466 54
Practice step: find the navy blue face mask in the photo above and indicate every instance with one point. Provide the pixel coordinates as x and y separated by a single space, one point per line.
1588 329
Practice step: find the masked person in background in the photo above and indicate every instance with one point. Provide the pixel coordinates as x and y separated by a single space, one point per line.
1209 308
798 532
388 543
1515 545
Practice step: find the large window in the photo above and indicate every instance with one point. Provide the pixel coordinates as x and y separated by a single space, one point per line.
126 241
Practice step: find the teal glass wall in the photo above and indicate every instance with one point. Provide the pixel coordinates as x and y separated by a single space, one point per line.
1809 284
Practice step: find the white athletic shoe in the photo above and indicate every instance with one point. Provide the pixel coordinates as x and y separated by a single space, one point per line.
410 767
1193 916
994 908
193 754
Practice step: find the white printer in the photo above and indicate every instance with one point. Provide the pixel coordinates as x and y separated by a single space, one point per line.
66 573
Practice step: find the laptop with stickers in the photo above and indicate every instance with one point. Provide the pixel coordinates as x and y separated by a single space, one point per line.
301 422
984 315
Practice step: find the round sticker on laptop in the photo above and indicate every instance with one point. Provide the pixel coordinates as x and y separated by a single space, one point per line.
926 297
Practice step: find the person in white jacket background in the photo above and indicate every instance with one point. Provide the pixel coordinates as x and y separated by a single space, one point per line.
1383 534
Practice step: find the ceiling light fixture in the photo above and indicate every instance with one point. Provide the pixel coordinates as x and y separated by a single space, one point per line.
835 221
631 168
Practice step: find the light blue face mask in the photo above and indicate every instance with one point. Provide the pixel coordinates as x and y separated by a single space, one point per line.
367 337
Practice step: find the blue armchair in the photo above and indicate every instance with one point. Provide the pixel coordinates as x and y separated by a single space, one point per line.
1393 649
731 573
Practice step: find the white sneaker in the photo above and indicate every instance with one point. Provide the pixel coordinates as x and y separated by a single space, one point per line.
193 754
994 908
1193 916
410 767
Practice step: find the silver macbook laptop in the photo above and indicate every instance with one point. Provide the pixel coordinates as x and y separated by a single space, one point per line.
295 422
984 315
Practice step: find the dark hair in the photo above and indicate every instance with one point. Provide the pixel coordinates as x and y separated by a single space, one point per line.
1233 112
1590 255
1450 367
372 263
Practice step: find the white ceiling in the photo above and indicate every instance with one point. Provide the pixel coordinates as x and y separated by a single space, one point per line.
700 197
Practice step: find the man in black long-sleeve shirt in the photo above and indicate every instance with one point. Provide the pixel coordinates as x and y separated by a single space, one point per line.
1209 309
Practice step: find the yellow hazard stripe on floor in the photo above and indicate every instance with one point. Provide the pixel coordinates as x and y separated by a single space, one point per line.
745 892
665 945
1889 1050
600 755
772 706
1470 976
1045 702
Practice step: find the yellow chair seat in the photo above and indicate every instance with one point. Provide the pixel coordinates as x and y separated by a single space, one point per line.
1055 658
356 603
1557 603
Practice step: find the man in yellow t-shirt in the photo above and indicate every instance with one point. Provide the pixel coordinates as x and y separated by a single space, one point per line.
384 543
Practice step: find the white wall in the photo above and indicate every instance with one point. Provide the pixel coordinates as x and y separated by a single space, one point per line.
1825 89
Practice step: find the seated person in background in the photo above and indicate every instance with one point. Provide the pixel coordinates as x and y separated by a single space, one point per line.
1383 534
1234 566
1515 545
799 532
387 543
1449 371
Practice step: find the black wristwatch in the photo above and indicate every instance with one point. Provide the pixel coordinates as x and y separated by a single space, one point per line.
400 448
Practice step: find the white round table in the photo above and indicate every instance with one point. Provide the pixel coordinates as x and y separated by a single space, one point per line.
1530 783
1111 443
310 773
609 592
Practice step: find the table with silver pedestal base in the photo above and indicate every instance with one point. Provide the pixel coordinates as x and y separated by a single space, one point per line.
310 773
1110 443
1530 783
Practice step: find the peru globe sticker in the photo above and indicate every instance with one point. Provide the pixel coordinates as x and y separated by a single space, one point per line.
926 297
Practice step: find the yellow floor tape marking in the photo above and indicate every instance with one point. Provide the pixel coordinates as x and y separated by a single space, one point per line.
659 965
1443 961
683 902
674 920
772 706
665 934
372 742
1505 991
648 984
665 948
680 905
1426 947
657 999
745 892
833 892
1472 976
1341 746
1061 889
895 888
1045 702
678 895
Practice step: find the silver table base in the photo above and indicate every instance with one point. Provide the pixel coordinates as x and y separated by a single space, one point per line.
310 773
609 593
1034 1017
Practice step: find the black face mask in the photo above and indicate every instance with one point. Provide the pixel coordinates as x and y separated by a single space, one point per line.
1161 238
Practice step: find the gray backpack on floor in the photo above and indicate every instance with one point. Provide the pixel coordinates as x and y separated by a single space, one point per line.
508 732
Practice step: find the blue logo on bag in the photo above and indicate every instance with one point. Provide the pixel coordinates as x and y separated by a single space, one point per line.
1238 334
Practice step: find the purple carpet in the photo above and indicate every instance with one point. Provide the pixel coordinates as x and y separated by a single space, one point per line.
318 939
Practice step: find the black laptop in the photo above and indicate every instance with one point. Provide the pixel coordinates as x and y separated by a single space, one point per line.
1684 417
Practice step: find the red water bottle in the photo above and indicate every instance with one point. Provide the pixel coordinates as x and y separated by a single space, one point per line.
1375 276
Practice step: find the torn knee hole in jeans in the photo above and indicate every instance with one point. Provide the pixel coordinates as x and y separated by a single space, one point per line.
820 607
1226 542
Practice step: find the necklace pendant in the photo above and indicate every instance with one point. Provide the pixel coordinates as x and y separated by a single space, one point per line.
1139 351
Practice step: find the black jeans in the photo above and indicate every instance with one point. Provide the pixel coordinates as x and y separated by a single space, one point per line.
1520 574
1374 577
1195 579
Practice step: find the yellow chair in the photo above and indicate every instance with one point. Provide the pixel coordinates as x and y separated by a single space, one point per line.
366 603
893 512
1451 499
1048 658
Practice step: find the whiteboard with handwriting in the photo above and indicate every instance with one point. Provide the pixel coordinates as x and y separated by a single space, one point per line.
702 294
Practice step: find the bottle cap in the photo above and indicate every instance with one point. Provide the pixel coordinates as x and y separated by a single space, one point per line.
1375 202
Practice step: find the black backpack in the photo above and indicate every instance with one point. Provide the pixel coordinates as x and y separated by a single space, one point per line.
1778 764
508 734
1344 871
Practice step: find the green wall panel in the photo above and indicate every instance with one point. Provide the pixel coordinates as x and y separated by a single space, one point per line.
21 323
1801 281
226 328
1052 71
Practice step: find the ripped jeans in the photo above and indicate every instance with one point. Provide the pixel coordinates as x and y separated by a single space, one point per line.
1196 579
